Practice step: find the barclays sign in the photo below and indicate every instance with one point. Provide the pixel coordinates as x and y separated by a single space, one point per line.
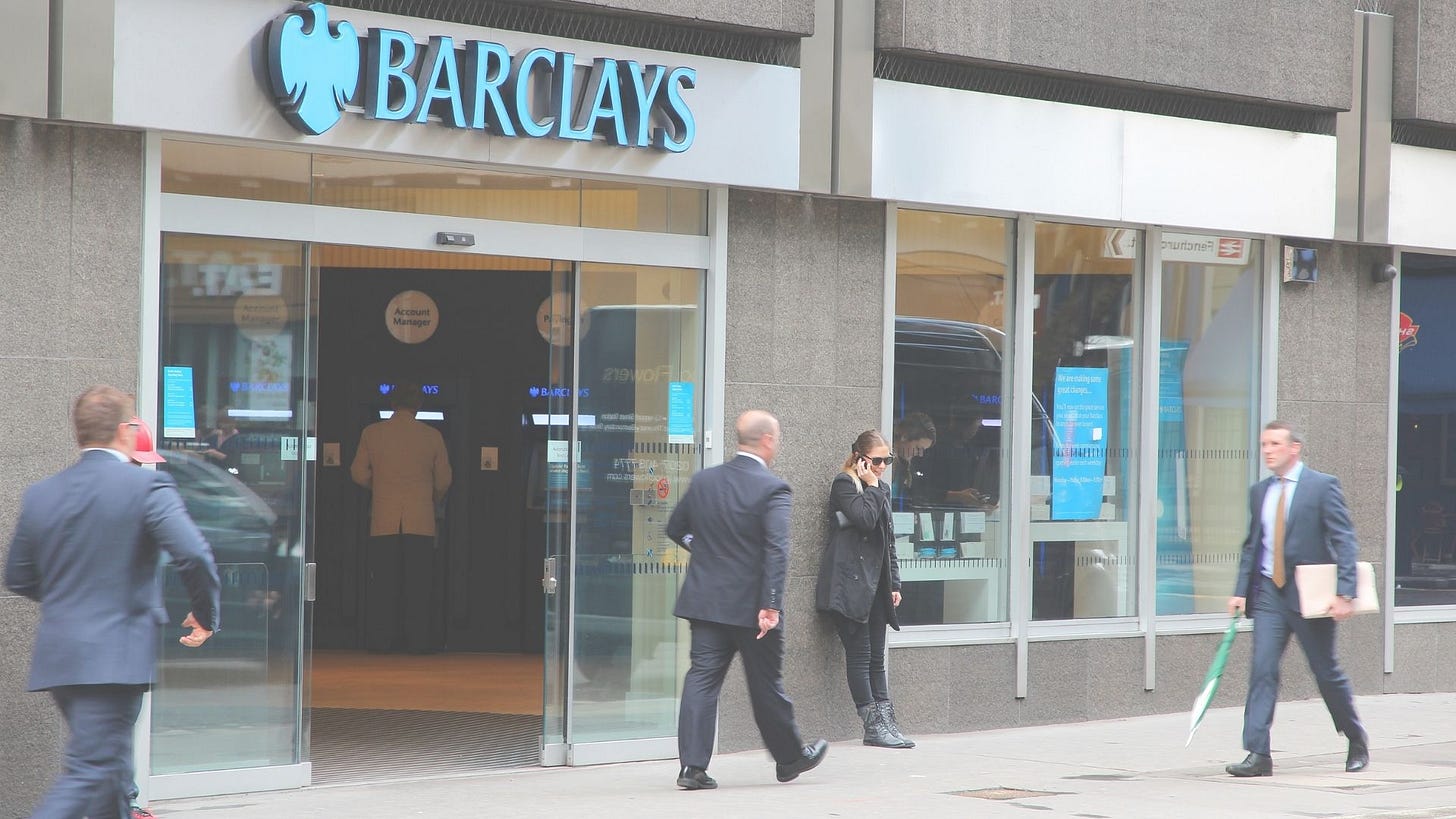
318 68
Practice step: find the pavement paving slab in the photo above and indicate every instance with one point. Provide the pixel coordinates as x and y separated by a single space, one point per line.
1136 768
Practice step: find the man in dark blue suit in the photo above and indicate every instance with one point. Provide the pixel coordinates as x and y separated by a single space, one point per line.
87 547
1297 516
734 519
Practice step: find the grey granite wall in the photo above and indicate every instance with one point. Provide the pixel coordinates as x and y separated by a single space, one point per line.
1425 61
1334 371
1286 51
70 259
806 293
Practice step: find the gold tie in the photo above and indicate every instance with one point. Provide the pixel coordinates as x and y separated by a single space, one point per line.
1278 576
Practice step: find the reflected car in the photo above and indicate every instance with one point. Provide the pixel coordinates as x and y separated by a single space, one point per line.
953 369
240 527
234 519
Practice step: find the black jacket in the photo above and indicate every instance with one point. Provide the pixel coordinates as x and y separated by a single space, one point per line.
859 554
737 515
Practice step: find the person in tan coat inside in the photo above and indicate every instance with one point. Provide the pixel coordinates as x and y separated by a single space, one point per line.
402 461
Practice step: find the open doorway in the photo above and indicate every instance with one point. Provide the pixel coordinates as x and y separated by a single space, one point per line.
468 695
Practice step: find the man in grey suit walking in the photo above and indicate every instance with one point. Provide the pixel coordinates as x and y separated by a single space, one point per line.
87 547
734 519
1297 516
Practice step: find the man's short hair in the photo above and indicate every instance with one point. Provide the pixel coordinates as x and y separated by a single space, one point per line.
1295 436
406 395
98 412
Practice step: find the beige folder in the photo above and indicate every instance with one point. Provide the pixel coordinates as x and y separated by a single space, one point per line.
1316 584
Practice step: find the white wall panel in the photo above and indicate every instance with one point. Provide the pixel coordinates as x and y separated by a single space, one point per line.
1421 183
969 149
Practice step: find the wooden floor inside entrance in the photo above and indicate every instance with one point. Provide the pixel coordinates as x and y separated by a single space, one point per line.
460 683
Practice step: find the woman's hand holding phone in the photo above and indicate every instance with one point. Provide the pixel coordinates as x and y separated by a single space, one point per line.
863 471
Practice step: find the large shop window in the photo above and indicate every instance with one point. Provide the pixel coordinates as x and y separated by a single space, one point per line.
951 308
1425 482
1084 386
1208 389
235 330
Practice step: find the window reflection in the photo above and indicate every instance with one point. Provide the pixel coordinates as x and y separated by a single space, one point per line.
1208 378
1083 559
234 318
640 386
951 306
1425 498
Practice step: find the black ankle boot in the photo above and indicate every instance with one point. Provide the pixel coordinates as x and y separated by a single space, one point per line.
887 718
876 733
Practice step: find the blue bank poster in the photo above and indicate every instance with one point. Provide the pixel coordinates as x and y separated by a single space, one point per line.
680 412
179 414
1080 417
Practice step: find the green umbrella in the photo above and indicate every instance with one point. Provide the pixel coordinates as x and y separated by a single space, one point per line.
1210 683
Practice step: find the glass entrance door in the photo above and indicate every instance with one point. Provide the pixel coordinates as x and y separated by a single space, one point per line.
234 425
626 438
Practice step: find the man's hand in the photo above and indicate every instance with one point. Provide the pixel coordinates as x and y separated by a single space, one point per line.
767 619
895 599
1236 605
1341 608
198 636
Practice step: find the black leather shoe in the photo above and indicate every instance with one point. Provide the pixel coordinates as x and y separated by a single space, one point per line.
808 760
695 779
1253 765
1359 757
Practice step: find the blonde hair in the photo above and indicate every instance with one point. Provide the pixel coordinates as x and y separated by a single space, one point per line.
867 440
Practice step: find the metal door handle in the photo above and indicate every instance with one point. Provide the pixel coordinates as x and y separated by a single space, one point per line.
548 576
310 582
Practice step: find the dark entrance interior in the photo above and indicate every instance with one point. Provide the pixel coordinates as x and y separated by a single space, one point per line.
474 702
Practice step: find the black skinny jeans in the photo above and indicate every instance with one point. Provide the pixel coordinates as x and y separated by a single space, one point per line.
864 655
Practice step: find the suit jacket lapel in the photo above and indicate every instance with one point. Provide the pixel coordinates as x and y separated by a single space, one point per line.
1303 496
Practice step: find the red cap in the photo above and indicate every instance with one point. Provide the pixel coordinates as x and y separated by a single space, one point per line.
146 451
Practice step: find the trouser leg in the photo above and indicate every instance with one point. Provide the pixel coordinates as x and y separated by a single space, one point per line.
382 606
697 721
878 677
97 766
773 711
1271 635
855 638
418 599
1317 638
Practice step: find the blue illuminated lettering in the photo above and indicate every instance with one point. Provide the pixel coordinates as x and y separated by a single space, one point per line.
387 57
638 116
684 129
605 116
315 72
486 107
440 57
521 92
563 98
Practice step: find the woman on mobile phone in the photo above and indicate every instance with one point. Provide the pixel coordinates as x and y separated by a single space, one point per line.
859 582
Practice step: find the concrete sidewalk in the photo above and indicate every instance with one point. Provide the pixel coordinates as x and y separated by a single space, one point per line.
1127 769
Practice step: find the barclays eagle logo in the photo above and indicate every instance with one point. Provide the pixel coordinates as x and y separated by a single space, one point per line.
313 66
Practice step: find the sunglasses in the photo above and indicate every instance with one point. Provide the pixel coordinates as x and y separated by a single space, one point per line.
882 461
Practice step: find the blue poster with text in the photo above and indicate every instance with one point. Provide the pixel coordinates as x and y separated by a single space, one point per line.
179 416
680 412
1080 416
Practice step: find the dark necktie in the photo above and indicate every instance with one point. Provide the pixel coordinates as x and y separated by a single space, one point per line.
1278 574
